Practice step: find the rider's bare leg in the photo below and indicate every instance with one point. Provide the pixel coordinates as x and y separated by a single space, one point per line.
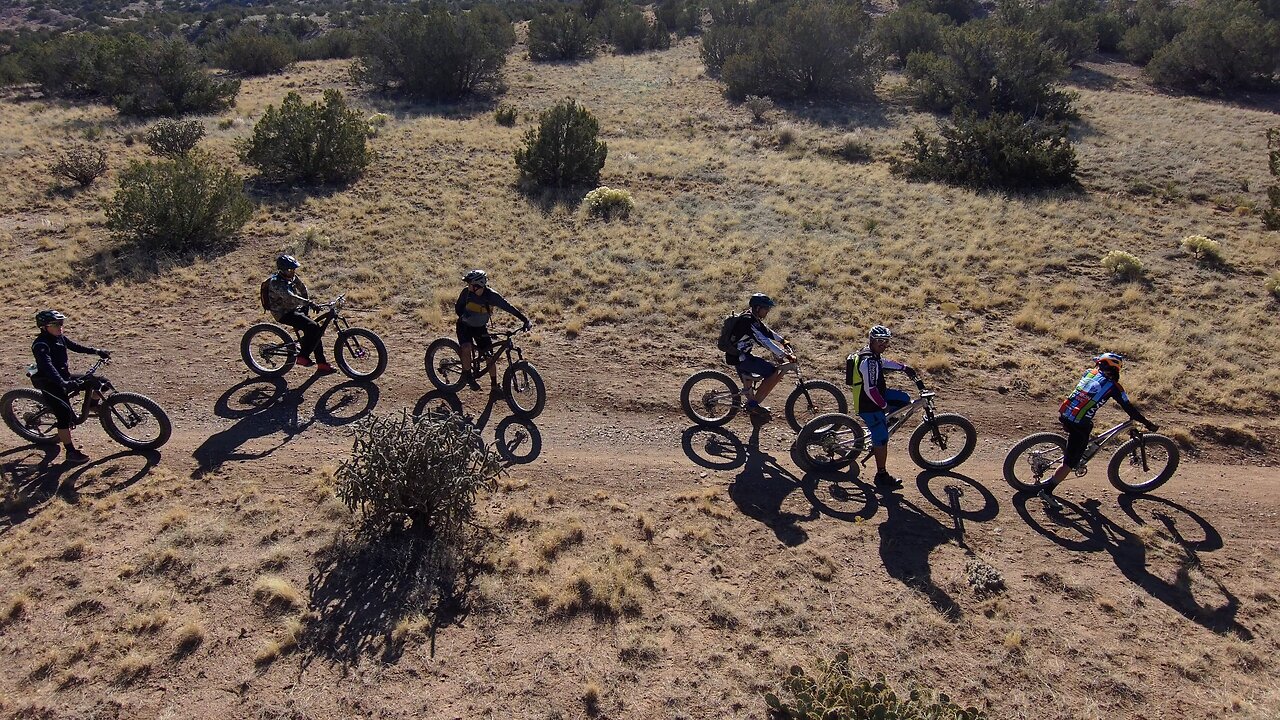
64 437
766 386
1060 474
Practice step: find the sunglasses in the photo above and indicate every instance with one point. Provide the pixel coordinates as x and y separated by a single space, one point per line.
55 322
477 287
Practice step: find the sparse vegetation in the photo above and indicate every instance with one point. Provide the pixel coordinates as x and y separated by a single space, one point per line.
832 691
436 56
758 106
564 150
274 592
80 163
1004 150
560 36
249 51
609 203
505 115
174 138
1272 285
1123 265
319 143
1205 249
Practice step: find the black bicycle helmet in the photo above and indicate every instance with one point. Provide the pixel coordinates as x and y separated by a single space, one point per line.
44 317
476 277
287 262
761 300
879 332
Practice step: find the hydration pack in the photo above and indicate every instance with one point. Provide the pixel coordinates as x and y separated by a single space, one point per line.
264 294
728 342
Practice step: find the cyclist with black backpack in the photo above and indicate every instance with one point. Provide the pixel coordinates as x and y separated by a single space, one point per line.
872 400
285 296
739 336
51 376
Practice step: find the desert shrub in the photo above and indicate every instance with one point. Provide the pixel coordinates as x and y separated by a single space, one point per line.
609 203
683 16
1271 216
249 51
910 29
831 692
165 78
436 56
1004 151
1226 45
1203 248
420 473
990 68
1122 265
627 29
722 42
658 37
1067 26
1156 22
506 115
560 36
851 149
960 11
179 205
563 150
337 44
758 106
1110 26
1272 285
81 164
174 138
314 144
815 49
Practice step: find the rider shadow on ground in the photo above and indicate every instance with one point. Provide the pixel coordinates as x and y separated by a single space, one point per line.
517 440
761 487
365 585
1131 552
263 407
32 478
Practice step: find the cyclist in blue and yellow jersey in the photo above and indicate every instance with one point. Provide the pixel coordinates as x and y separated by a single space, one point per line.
871 400
1099 384
748 332
474 307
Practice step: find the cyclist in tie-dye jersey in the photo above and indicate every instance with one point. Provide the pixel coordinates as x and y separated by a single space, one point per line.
1099 384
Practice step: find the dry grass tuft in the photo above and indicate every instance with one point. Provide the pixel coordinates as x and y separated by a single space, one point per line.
554 541
74 551
148 622
189 637
174 518
591 698
644 522
516 518
132 667
13 608
275 593
612 586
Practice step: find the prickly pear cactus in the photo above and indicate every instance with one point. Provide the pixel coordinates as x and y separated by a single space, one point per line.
831 692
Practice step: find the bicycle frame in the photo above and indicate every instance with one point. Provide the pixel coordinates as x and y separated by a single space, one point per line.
506 347
1099 441
896 419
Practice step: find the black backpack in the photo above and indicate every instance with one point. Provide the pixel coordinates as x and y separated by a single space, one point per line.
729 334
264 294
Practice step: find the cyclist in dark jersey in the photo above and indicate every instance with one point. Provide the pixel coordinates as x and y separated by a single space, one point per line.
289 300
53 378
872 400
474 307
1100 384
748 333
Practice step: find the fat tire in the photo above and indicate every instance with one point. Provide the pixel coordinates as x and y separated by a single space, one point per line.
1015 454
431 361
539 389
823 390
375 342
119 435
1122 454
686 401
921 436
246 349
6 410
811 436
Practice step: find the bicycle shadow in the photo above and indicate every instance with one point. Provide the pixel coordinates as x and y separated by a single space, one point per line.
517 440
264 407
33 478
1132 553
762 485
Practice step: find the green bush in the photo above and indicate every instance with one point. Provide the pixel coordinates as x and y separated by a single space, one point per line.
1205 250
910 29
1156 22
1122 265
1067 26
1272 285
563 150
506 115
337 44
178 206
174 138
609 203
629 30
1226 45
1271 216
81 164
250 52
960 11
815 49
658 37
560 36
1002 151
436 56
165 78
73 65
722 42
422 474
990 68
832 692
312 144
683 16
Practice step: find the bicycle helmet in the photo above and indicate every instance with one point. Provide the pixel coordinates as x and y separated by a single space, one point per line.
879 332
476 277
1112 361
287 262
44 317
761 300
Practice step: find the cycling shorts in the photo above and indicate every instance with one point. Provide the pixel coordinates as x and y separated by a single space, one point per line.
1077 440
57 400
752 365
475 335
876 422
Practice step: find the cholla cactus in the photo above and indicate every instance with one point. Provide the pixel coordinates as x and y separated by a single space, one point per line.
609 203
1123 265
82 164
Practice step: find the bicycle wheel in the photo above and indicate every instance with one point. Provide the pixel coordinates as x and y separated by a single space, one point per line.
360 353
830 441
268 350
822 397
25 413
135 421
444 364
526 394
944 443
710 398
1033 460
1143 464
